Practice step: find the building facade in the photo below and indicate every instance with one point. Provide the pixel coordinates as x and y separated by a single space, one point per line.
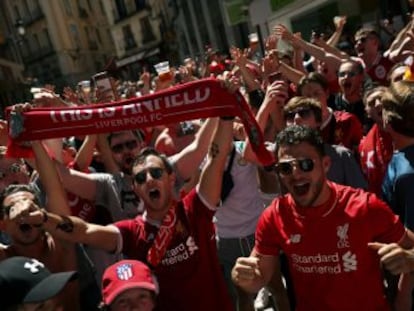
65 41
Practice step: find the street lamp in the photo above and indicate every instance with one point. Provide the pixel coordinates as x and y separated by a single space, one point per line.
21 30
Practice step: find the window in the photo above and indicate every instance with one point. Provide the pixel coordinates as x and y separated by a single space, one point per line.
140 4
47 38
129 39
121 8
36 42
146 28
68 8
75 34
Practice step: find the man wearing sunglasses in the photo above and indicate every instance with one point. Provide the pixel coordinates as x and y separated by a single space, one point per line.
333 236
343 168
176 238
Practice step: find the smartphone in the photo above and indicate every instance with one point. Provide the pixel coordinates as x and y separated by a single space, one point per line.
274 77
103 83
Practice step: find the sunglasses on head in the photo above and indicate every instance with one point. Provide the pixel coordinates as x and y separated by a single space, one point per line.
286 168
155 172
130 145
303 113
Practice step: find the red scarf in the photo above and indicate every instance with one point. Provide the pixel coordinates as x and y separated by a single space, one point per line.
199 99
163 238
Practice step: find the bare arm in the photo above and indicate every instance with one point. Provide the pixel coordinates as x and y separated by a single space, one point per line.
84 155
308 47
188 160
212 173
272 107
106 154
56 195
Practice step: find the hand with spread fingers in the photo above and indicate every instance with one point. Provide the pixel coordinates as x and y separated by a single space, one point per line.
394 258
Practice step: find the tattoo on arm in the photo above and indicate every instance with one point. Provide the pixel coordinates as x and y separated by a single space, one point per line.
66 224
214 150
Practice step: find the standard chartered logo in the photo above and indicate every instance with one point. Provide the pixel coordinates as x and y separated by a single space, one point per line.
349 261
334 263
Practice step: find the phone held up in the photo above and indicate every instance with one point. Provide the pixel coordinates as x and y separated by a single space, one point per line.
104 85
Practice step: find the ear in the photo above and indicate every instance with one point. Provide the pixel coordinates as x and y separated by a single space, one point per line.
326 163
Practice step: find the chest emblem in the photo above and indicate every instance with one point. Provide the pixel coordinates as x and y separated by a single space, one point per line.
342 233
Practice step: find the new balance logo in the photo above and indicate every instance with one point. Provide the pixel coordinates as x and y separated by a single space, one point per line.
34 266
349 262
294 238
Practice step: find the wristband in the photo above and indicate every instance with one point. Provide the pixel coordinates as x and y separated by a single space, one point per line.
227 118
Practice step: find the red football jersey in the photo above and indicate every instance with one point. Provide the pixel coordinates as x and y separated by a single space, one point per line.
189 275
331 265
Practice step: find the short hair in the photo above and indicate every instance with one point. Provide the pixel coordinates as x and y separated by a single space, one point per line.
296 134
365 31
398 107
374 88
300 101
313 77
356 63
148 151
137 134
14 188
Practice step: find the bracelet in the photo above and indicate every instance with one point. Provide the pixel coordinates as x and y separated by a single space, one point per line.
227 118
66 224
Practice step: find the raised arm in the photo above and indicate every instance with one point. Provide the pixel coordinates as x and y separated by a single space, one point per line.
317 52
189 159
212 173
84 155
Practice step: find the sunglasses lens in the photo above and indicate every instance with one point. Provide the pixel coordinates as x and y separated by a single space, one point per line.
131 144
156 172
303 113
284 168
306 165
117 148
141 177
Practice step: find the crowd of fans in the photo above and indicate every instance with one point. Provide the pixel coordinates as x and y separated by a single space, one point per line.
184 216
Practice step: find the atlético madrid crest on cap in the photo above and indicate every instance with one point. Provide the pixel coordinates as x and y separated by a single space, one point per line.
124 272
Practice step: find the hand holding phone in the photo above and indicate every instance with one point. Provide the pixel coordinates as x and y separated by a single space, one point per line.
104 86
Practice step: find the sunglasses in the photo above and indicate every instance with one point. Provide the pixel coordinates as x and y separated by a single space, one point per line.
304 113
350 74
155 172
130 145
286 168
12 169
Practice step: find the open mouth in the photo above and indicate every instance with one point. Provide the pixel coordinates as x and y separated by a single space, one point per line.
154 194
25 228
301 189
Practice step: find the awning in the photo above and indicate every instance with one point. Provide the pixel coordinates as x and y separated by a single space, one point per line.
152 52
130 59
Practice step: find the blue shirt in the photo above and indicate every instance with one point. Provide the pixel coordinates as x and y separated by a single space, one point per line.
398 185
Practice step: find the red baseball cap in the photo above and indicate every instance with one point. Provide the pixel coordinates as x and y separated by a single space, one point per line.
124 275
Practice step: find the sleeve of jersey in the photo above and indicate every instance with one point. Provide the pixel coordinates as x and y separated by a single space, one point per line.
267 235
126 231
388 227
